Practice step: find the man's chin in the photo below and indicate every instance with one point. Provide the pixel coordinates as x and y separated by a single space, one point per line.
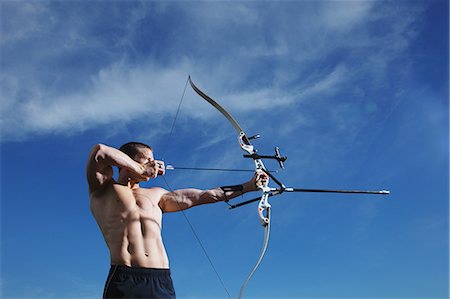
146 179
141 179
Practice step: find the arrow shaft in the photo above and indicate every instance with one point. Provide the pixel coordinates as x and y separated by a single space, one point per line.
171 167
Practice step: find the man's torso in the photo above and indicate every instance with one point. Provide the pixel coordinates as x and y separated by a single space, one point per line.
130 221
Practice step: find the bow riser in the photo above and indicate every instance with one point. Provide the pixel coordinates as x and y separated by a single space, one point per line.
259 167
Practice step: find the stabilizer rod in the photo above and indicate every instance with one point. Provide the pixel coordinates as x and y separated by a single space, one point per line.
281 190
381 192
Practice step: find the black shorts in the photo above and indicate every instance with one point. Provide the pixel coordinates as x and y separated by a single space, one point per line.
133 282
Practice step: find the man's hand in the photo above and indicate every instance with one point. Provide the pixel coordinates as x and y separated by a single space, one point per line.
260 179
153 168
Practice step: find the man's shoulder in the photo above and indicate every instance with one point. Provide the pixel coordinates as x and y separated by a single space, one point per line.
104 190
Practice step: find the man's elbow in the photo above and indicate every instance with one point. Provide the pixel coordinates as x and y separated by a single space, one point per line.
99 147
99 150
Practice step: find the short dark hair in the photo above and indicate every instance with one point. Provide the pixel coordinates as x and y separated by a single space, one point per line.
133 148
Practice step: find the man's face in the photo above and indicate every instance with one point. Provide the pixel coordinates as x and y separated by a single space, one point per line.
145 156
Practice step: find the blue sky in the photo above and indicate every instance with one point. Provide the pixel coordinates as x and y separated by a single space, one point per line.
355 93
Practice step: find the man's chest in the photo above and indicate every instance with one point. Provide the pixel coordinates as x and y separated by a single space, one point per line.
139 203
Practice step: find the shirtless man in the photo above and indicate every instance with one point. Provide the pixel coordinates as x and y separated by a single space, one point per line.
129 217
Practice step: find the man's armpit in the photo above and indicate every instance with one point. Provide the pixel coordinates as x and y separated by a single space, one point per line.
162 195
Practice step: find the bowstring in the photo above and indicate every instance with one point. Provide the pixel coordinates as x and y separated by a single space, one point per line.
179 206
174 120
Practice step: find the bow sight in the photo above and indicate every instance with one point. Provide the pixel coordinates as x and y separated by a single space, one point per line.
277 156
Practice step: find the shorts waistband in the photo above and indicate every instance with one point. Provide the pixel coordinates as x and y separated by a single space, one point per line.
140 270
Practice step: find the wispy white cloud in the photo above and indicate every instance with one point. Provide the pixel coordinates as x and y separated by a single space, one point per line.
327 84
92 72
345 16
25 21
116 93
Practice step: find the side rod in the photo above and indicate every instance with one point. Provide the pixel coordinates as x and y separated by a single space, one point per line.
250 201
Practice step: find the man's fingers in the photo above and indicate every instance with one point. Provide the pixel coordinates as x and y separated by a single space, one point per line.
261 178
161 168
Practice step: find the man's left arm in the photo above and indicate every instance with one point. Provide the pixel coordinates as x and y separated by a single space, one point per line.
187 198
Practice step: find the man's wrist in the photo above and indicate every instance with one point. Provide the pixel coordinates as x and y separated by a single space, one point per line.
140 169
229 192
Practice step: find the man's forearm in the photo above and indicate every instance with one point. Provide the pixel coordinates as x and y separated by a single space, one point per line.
110 156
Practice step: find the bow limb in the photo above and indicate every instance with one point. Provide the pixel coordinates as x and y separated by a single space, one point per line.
244 142
261 256
217 106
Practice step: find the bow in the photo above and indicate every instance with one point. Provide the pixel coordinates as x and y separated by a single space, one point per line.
264 207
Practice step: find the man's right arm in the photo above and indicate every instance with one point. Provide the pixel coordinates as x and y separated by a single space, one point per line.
99 169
